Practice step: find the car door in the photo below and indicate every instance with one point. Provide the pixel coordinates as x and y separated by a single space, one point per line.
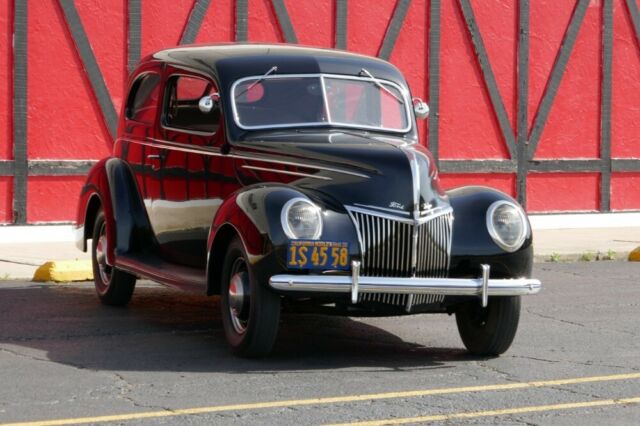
188 141
134 145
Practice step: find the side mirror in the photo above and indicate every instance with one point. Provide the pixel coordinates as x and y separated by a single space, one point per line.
420 108
207 103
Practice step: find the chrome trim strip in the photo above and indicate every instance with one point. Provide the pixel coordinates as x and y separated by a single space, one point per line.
215 152
165 103
326 101
403 91
363 247
441 286
291 163
285 172
440 211
385 209
188 131
415 177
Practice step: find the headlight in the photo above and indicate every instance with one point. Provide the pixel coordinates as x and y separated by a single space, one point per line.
301 219
507 225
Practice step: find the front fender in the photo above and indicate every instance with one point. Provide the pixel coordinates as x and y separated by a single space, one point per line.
253 213
472 245
94 194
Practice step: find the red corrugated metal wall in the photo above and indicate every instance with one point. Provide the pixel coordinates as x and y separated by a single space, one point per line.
539 98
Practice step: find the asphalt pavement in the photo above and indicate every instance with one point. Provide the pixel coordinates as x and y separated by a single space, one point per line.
66 359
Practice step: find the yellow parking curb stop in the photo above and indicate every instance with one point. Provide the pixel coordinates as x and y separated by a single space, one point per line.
64 271
634 256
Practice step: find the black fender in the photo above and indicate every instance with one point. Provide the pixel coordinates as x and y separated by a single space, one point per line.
93 195
111 185
253 213
471 243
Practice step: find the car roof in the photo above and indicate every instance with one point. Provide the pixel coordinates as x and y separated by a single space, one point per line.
231 61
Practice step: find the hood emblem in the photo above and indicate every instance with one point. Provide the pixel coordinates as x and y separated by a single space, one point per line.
396 205
426 207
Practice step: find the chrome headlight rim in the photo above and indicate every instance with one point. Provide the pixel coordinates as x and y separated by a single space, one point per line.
494 233
284 213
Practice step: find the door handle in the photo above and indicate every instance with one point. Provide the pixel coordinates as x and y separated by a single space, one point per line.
155 160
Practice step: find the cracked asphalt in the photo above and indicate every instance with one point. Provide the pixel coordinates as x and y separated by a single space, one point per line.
65 356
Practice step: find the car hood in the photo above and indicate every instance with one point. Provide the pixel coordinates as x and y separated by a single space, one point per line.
386 174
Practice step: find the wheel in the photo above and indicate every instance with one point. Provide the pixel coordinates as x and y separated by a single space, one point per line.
250 312
114 287
490 330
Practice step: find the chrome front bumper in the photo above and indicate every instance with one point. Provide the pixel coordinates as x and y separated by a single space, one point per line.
355 284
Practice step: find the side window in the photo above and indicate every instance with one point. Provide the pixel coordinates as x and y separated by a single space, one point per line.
181 110
143 98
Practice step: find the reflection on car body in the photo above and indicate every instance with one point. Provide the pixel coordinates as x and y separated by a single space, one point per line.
284 177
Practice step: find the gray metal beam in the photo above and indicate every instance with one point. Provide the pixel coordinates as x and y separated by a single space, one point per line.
523 101
539 166
341 24
605 105
434 78
477 166
566 165
60 167
242 25
81 41
391 36
625 165
6 168
191 30
557 73
134 24
285 21
20 112
635 17
489 77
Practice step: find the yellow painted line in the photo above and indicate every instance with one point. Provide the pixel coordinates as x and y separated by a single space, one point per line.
326 400
494 413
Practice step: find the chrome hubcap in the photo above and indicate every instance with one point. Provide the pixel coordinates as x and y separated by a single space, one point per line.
101 256
238 297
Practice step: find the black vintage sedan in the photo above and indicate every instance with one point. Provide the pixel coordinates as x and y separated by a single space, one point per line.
286 177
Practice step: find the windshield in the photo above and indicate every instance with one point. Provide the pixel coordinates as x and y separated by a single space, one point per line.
276 101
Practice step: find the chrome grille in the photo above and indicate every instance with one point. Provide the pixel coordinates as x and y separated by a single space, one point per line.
400 299
389 250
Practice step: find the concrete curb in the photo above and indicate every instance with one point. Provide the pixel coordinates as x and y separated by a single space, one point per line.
64 271
579 257
82 270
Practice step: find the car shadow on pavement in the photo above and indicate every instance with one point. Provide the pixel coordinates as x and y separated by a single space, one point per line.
165 330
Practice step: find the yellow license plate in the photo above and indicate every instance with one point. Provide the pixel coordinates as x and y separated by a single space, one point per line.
303 254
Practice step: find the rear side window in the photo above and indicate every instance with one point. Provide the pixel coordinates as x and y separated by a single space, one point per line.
181 104
143 99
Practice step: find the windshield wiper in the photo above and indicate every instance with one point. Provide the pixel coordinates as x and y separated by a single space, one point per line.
252 85
380 85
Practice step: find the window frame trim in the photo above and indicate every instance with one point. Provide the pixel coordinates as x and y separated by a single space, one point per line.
138 81
162 121
321 76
